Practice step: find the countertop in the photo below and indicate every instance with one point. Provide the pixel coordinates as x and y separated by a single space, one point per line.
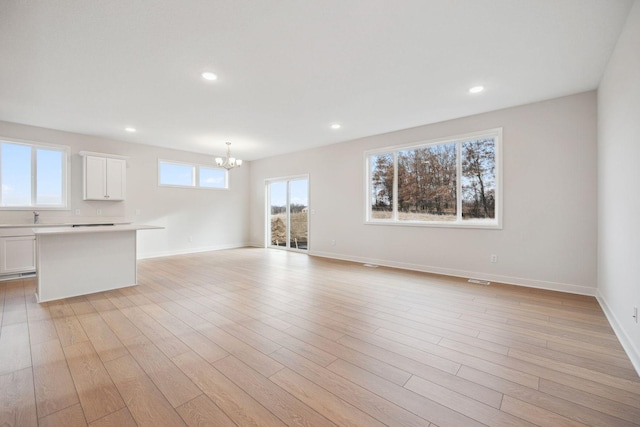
65 222
93 229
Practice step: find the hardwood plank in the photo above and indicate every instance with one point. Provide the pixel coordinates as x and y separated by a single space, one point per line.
69 330
15 351
472 408
360 396
335 409
202 412
17 400
313 353
470 359
170 380
98 395
426 408
377 366
104 341
403 357
536 415
601 404
283 405
15 312
206 348
578 371
53 383
68 417
544 401
121 418
41 331
249 355
161 337
145 402
235 402
122 327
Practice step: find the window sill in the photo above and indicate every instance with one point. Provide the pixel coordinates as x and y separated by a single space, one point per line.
484 225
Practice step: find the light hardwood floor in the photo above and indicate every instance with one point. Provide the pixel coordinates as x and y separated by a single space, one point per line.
255 337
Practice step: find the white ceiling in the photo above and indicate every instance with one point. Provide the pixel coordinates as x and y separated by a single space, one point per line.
288 69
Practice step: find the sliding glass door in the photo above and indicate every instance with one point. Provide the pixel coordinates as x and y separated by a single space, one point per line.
288 213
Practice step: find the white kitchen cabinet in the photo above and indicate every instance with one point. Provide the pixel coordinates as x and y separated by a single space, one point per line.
17 254
104 176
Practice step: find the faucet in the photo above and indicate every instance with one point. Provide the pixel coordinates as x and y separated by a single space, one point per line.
36 217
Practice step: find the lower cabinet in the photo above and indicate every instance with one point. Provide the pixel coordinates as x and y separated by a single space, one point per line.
17 254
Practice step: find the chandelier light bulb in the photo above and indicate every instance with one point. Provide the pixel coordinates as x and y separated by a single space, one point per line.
228 162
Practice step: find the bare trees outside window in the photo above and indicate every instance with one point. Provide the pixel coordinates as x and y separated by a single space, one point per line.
451 182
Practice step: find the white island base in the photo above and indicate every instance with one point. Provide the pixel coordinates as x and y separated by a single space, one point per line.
84 260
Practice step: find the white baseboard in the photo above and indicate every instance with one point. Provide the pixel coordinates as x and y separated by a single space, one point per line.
191 250
627 343
518 281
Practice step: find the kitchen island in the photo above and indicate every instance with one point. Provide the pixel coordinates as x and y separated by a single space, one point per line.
83 260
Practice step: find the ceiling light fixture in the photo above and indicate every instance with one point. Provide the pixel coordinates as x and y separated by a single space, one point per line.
209 76
476 89
336 126
130 129
228 162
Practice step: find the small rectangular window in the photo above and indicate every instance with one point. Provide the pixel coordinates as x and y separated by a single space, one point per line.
175 174
382 183
33 176
449 182
212 177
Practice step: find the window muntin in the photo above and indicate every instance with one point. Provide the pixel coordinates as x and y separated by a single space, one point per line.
450 182
176 174
33 176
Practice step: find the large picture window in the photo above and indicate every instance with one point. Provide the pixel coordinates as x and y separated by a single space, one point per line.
33 176
451 182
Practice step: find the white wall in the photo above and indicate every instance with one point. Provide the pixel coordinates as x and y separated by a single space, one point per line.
549 234
618 181
215 219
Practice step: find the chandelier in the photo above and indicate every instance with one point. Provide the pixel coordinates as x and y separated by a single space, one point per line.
228 162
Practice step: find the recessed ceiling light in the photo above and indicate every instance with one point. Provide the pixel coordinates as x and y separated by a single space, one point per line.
208 75
476 89
336 126
130 129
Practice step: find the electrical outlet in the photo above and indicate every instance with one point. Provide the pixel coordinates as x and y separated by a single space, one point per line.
333 243
98 211
77 212
635 314
493 258
137 211
190 239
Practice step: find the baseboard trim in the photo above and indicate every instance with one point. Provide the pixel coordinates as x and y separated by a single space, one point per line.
191 250
623 337
518 281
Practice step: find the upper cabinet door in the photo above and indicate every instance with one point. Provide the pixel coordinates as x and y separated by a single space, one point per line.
104 178
116 179
95 184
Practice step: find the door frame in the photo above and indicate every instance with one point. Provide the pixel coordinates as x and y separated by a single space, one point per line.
267 216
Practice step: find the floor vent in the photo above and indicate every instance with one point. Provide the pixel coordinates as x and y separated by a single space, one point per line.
370 265
479 282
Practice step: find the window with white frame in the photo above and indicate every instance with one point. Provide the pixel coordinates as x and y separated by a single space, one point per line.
447 182
177 174
33 176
